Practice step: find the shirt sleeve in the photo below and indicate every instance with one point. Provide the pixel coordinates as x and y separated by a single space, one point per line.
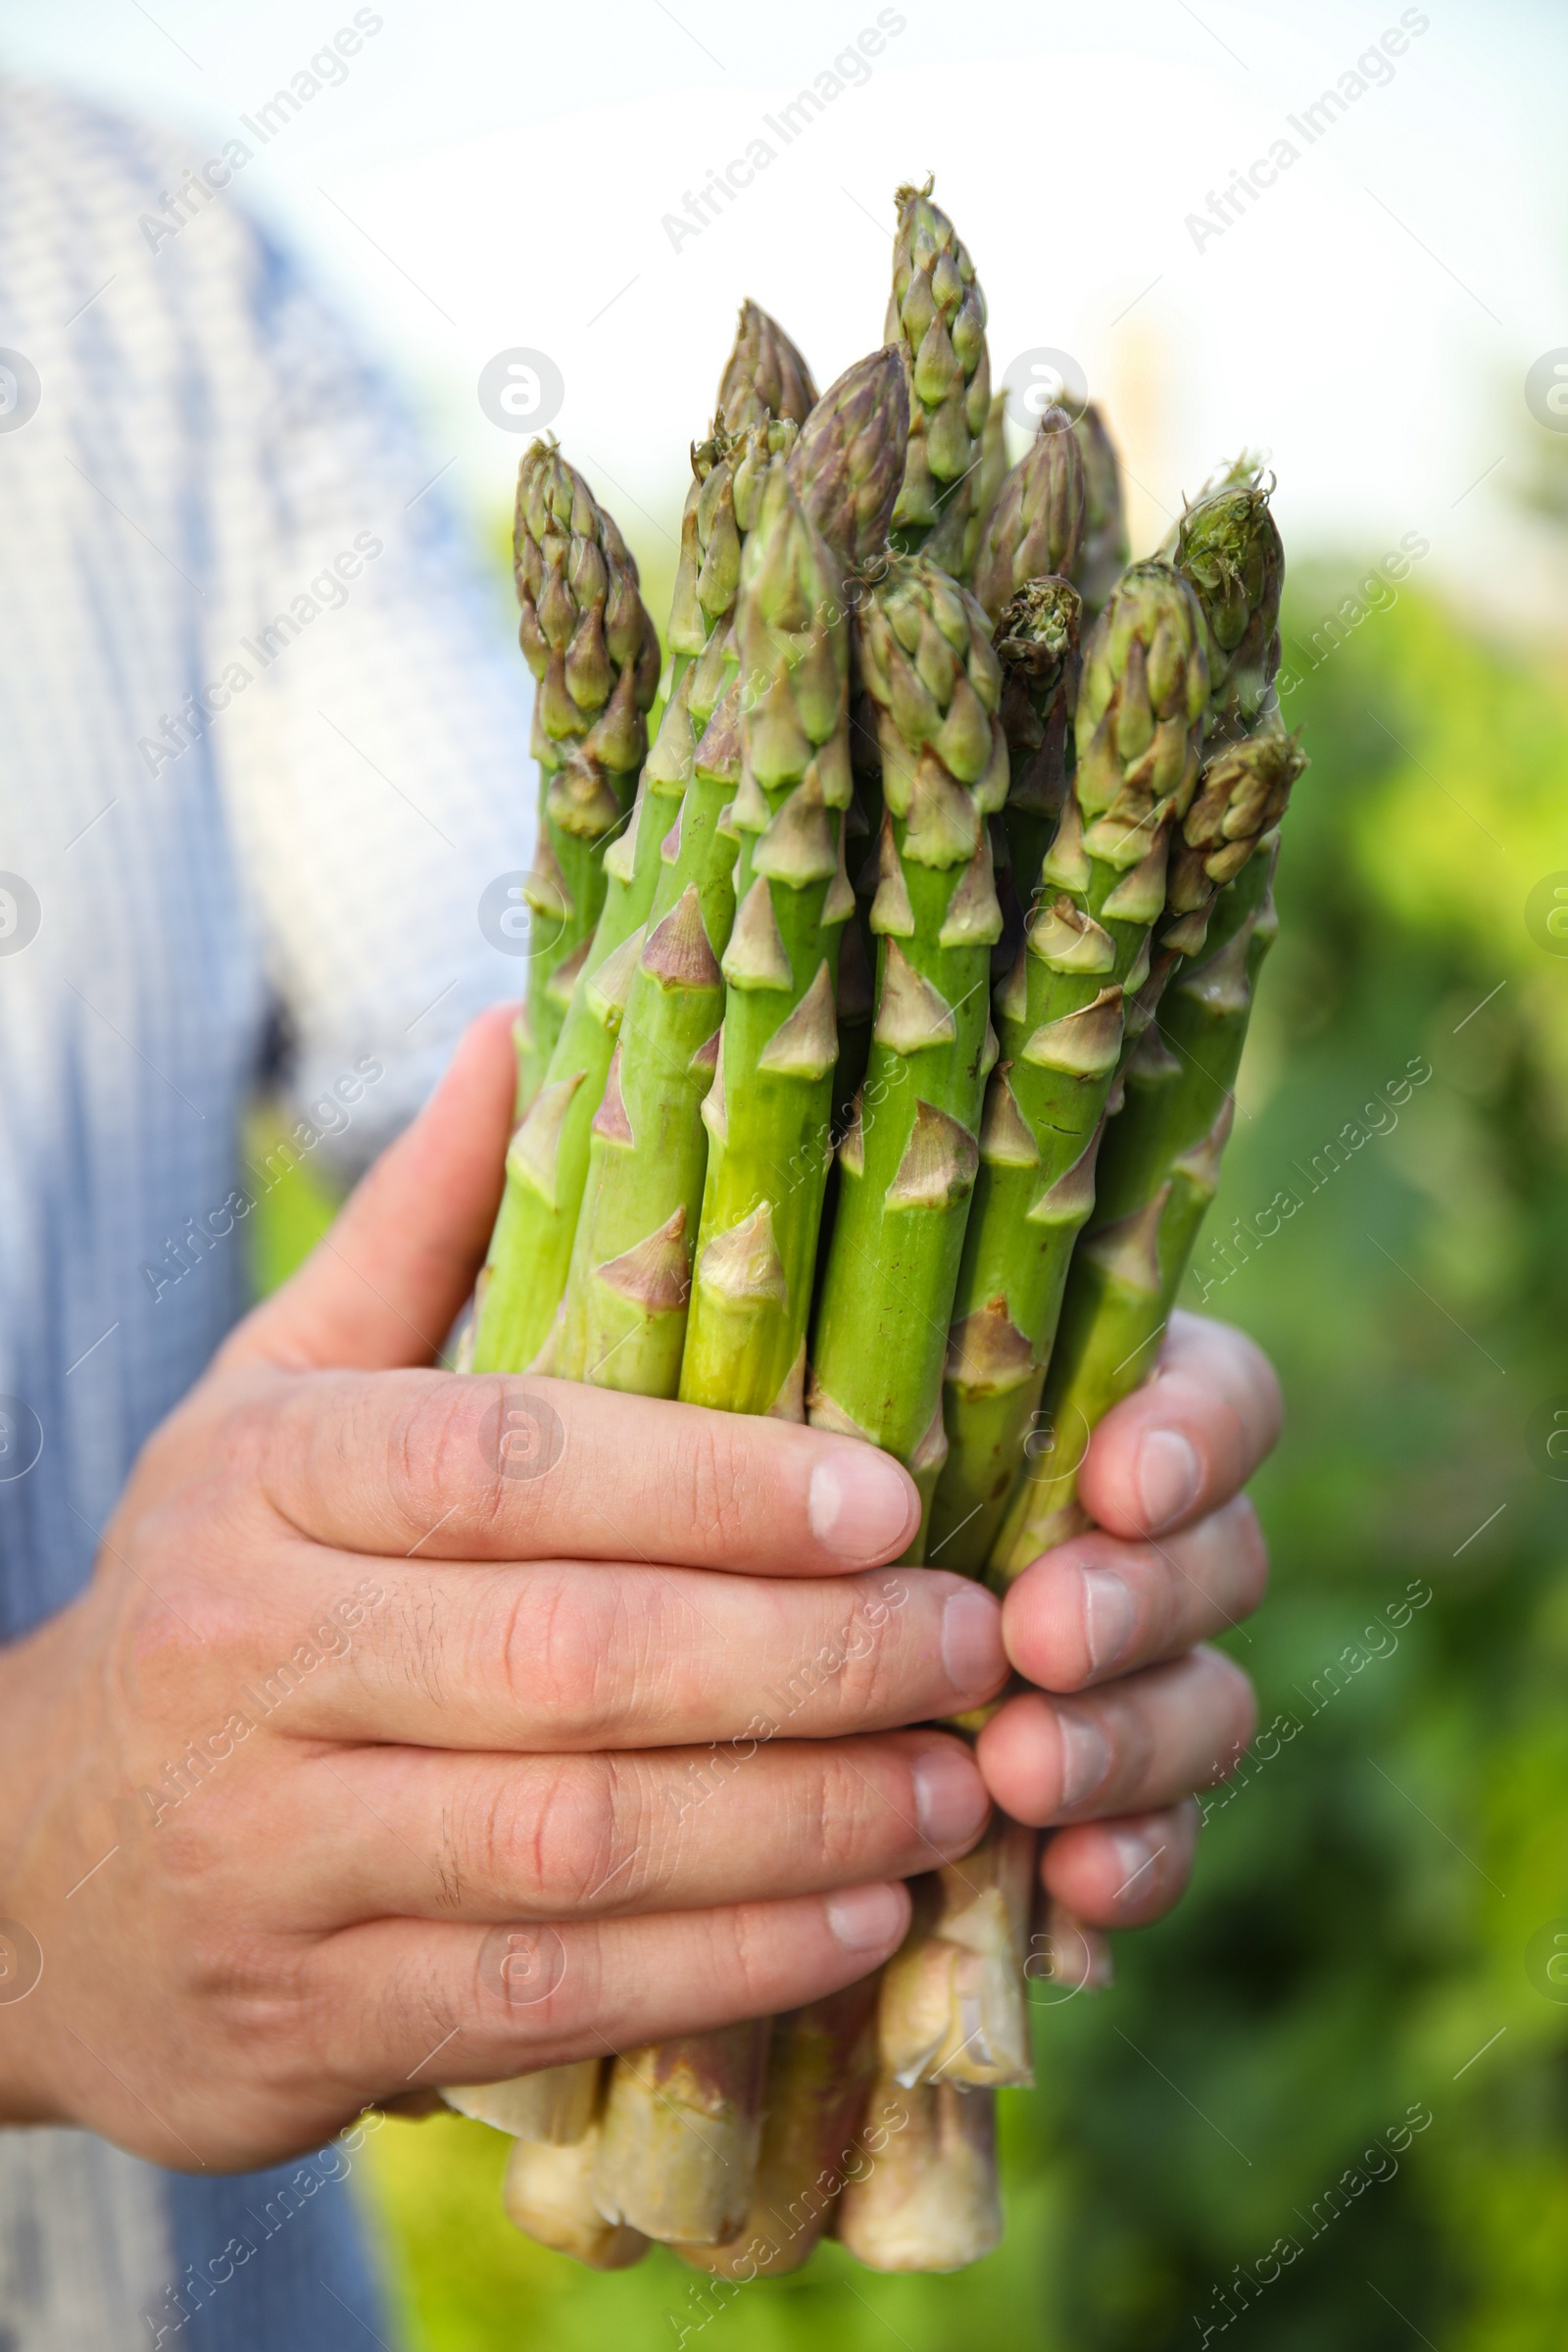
372 748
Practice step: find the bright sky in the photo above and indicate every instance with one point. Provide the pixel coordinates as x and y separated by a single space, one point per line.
489 175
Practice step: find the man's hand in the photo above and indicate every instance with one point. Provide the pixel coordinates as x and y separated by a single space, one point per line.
351 1704
419 1728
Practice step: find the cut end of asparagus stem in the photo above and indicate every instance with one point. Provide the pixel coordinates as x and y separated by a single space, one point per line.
547 2193
954 2006
554 2106
929 2198
819 2072
678 2139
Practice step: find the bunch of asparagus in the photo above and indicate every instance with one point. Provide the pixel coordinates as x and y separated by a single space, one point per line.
875 1071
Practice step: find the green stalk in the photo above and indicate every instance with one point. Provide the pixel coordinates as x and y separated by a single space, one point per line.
908 1162
1103 551
938 311
677 2145
1061 1011
524 1281
819 2069
928 2200
594 654
1160 1172
768 1112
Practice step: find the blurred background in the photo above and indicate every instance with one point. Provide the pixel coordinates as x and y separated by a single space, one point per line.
1327 2103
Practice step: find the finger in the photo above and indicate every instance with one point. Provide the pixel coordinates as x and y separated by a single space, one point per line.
459 2004
1189 1440
489 1468
1143 1741
1122 1873
431 1835
1097 1606
386 1283
568 1655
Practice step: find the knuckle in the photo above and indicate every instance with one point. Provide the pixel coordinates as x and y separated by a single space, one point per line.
835 1825
753 1953
562 1841
557 1650
433 1449
712 1480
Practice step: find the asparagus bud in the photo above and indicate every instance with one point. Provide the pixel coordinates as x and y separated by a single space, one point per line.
907 1164
764 377
848 462
593 651
1061 1012
1103 551
1227 543
938 311
1036 522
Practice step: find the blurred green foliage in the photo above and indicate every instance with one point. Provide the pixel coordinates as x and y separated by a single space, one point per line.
1356 1943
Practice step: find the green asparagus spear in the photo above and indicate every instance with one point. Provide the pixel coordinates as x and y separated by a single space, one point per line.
1035 527
627 1292
1160 1172
595 657
768 1112
1103 550
939 312
1139 710
764 377
547 1167
907 1164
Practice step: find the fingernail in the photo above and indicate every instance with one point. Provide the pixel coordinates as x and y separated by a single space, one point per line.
1135 1857
950 1797
973 1656
1085 1755
1111 1615
1168 1476
859 1505
867 1918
